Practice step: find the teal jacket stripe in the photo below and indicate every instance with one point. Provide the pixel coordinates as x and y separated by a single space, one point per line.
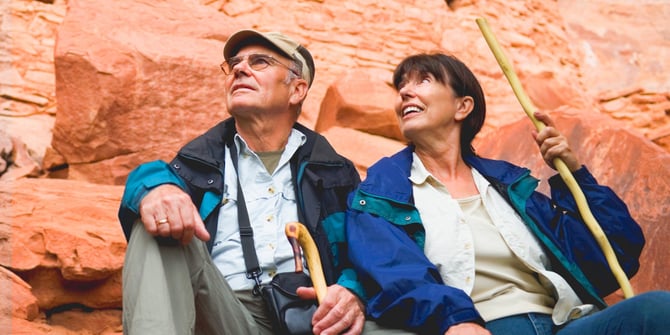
519 192
210 201
400 214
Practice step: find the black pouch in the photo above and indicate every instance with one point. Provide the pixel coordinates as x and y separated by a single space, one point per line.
290 314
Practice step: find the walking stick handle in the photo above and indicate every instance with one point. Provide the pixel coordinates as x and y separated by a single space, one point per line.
561 167
299 236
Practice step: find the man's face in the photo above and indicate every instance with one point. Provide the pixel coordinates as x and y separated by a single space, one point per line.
257 91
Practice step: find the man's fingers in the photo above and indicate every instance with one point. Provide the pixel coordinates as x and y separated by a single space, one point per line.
339 311
186 236
169 212
200 230
187 227
153 220
338 320
306 293
163 227
193 226
175 223
357 327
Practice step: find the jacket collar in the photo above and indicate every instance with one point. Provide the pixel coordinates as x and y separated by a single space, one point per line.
207 147
503 171
389 177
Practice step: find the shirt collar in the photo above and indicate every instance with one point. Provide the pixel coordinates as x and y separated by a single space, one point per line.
418 173
295 140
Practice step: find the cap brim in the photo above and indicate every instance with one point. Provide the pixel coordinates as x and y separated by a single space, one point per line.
236 40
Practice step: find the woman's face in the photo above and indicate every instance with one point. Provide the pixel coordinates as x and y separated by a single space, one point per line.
426 107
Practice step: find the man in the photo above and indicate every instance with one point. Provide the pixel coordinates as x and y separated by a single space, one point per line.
177 284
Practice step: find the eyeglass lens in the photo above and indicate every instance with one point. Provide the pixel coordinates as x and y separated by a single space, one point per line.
256 62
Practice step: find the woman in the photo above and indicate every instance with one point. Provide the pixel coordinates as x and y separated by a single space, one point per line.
449 242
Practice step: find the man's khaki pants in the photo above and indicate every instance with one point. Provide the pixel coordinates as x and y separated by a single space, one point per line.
173 289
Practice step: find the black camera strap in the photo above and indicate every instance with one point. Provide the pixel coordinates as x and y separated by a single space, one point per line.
254 271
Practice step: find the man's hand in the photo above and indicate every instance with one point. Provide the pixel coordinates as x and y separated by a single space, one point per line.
340 312
554 145
467 328
169 212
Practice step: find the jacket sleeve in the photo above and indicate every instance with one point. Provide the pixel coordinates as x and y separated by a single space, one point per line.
140 181
334 227
405 289
611 213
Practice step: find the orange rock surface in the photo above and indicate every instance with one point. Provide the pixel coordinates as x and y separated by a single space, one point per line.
89 89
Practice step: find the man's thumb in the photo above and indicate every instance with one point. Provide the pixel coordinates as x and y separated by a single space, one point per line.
306 293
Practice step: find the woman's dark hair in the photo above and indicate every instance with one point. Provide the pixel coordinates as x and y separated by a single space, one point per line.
449 70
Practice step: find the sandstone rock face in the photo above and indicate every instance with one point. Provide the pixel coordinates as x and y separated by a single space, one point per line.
90 89
134 94
62 239
343 105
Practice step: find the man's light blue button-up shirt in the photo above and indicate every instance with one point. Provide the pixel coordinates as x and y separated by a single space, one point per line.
271 203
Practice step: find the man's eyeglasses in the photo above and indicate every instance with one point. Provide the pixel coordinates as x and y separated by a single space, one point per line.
257 62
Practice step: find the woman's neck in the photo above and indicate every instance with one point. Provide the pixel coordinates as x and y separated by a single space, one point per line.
450 169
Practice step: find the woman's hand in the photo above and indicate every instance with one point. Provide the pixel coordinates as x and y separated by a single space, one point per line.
553 144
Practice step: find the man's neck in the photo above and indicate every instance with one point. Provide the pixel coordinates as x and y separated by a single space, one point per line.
264 135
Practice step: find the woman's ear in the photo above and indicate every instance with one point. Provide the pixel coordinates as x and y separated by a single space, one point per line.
464 106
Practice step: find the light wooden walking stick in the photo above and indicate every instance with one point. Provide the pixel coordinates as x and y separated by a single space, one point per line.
561 167
298 236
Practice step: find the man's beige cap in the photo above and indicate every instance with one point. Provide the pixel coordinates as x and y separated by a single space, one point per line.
283 43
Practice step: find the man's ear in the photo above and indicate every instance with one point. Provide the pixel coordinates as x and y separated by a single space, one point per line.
299 88
464 106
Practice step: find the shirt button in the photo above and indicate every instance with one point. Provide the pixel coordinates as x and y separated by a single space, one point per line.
271 190
269 218
407 218
272 273
210 181
176 166
362 202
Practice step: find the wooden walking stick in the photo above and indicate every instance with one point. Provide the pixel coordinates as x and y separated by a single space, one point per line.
298 236
561 167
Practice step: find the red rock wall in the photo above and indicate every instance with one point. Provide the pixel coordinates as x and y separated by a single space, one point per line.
90 89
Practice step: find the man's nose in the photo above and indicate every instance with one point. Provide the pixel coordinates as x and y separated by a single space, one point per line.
241 68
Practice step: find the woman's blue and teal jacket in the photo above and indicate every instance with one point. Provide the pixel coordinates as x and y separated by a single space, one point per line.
322 180
404 289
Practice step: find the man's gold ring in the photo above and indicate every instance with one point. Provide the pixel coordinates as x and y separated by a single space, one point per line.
162 221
